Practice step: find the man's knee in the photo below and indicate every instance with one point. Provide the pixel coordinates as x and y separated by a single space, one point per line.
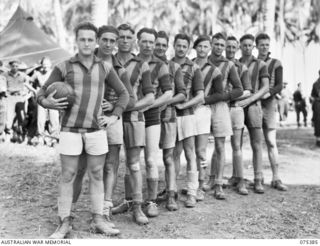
134 167
236 146
96 173
167 158
108 167
68 175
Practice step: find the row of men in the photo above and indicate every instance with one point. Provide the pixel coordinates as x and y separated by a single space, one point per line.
151 102
21 116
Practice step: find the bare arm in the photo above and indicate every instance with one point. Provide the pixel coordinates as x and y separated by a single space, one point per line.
143 103
246 94
162 100
198 99
258 95
180 97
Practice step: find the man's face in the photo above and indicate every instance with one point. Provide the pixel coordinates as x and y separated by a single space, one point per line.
203 48
246 47
146 43
14 67
161 47
126 41
218 46
107 42
181 47
86 42
231 49
46 64
263 47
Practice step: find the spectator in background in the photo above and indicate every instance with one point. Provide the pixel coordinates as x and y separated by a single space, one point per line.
3 89
38 79
300 105
283 103
17 84
315 99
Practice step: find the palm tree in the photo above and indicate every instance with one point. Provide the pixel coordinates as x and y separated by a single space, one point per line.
100 12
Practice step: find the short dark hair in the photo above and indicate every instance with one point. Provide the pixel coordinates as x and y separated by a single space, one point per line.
200 39
247 36
104 29
182 36
163 34
147 30
14 61
125 27
219 35
232 38
86 25
261 36
43 59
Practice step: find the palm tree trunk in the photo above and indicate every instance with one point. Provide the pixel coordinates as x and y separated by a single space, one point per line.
100 12
61 32
269 8
216 5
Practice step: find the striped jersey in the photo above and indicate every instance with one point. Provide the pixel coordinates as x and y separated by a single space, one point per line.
110 95
176 78
229 75
89 86
140 79
257 70
275 71
243 75
193 81
160 80
212 82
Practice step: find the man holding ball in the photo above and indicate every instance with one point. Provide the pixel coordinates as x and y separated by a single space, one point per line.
82 125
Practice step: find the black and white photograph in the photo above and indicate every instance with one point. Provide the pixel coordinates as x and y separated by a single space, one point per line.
159 119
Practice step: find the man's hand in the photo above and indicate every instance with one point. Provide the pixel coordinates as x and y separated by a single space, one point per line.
145 109
107 106
244 103
52 103
179 106
267 95
105 121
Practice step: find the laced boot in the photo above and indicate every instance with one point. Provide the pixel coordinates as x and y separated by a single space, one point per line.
241 188
191 201
210 185
100 225
138 216
218 192
277 184
151 209
63 229
258 187
122 207
171 201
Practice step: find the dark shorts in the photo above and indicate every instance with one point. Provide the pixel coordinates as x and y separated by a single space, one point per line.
269 112
134 134
253 115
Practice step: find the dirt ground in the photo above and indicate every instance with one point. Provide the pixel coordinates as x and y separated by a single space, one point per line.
29 178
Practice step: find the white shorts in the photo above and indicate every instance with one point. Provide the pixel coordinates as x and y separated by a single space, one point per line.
221 120
203 119
72 143
186 126
115 133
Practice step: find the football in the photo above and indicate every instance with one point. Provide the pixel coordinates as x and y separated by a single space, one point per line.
62 90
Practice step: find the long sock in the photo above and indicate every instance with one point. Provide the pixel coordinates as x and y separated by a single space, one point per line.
64 206
97 203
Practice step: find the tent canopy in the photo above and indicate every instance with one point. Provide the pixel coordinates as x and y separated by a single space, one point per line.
22 39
